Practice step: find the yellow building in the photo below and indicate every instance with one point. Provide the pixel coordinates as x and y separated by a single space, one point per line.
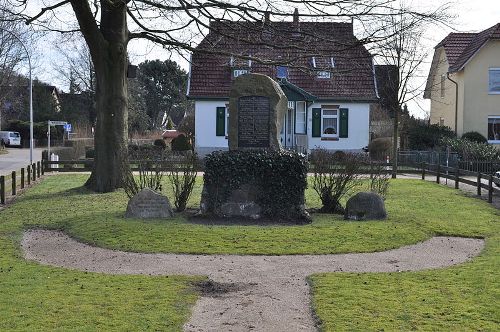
464 83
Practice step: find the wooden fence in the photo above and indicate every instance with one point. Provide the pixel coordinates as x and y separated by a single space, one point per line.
9 184
458 176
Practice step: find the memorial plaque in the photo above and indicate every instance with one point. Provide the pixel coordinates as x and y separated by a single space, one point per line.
253 122
257 106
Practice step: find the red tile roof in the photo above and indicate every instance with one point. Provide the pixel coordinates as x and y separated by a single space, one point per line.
282 43
461 47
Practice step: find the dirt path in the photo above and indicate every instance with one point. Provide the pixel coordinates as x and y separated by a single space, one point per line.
251 293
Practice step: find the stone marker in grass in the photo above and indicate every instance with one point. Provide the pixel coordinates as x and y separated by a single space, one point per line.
148 204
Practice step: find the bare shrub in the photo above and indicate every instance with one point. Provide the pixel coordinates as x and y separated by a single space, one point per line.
335 175
182 178
379 179
150 164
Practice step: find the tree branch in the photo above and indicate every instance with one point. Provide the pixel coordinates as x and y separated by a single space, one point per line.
57 5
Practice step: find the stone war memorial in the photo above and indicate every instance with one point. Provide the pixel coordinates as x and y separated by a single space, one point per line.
256 178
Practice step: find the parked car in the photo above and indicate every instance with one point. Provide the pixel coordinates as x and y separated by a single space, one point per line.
10 138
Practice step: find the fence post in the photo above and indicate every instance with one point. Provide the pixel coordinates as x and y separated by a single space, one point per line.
22 178
38 169
2 189
479 184
43 166
423 170
28 171
490 189
33 170
457 177
13 183
438 173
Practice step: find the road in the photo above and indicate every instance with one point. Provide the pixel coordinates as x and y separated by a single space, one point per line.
17 159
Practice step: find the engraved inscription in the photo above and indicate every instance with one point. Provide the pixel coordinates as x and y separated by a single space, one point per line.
253 122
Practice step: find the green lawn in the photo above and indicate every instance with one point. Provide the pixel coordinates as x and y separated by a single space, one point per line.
40 297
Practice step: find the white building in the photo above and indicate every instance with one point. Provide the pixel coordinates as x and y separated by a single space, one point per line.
326 74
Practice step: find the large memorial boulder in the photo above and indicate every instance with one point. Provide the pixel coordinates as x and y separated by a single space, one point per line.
148 204
257 106
365 206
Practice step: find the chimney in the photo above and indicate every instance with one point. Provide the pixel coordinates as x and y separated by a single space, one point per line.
296 17
267 17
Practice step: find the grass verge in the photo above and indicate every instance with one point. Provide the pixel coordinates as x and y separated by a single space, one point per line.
458 298
42 298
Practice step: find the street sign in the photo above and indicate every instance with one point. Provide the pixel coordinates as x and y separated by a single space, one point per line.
57 123
67 127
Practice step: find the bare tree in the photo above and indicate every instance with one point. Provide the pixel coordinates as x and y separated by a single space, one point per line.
403 51
109 25
12 56
77 69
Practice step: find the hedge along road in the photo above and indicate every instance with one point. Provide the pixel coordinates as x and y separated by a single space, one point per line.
262 293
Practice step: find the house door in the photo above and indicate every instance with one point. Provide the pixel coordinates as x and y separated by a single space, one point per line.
287 139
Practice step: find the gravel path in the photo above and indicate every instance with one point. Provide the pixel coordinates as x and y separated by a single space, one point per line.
249 293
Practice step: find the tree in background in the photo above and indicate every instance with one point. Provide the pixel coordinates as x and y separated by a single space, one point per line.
403 51
138 118
164 84
13 57
178 26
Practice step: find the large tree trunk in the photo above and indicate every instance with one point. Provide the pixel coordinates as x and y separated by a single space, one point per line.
108 48
111 127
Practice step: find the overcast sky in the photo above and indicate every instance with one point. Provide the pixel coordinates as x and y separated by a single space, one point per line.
471 16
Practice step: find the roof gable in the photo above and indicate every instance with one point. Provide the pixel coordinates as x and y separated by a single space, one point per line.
461 47
262 46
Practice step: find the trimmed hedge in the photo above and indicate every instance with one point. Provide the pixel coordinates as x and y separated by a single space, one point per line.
474 136
280 176
181 143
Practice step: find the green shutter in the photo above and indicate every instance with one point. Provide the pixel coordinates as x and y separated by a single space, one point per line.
316 122
344 123
220 122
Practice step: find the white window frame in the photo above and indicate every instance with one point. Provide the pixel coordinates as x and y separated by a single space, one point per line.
226 129
323 116
490 71
494 141
239 72
300 119
323 74
332 62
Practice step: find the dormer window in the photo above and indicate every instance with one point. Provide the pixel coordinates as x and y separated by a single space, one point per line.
239 72
323 74
281 72
313 62
332 62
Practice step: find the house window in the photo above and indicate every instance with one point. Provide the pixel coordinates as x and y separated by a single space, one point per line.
239 72
494 129
443 80
313 62
494 81
300 117
282 72
329 122
323 74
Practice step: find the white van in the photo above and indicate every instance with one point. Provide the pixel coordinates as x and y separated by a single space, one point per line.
10 138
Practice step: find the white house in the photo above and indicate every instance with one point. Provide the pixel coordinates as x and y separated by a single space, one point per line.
326 74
